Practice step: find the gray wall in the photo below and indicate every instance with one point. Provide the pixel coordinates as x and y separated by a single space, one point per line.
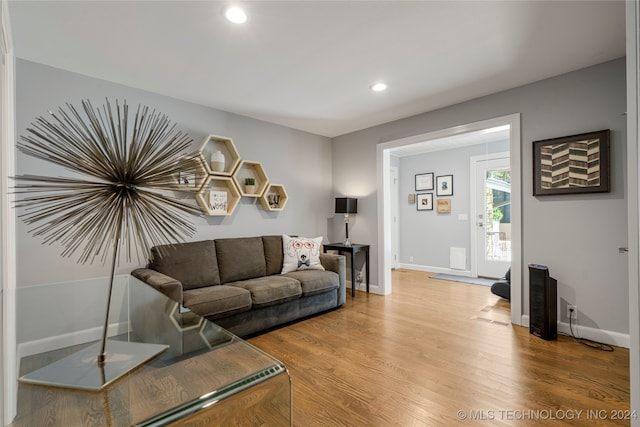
576 236
71 296
300 161
427 235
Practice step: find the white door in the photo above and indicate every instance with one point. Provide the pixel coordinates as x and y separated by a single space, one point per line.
493 215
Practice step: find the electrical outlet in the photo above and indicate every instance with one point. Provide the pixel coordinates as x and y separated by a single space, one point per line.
572 312
411 258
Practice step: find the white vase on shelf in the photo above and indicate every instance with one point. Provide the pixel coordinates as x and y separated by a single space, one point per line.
217 161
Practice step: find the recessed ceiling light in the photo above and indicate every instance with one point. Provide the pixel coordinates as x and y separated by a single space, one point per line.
235 15
378 87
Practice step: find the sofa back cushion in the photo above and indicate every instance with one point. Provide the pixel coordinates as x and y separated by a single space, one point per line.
240 258
273 254
194 264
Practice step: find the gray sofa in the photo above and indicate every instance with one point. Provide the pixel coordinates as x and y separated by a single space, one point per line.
237 282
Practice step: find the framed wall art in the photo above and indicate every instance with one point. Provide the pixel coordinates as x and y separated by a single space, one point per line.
424 202
424 181
443 205
444 185
572 164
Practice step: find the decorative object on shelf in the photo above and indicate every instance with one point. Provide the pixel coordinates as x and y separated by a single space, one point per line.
217 161
443 205
250 185
444 185
412 198
274 200
587 154
218 202
424 181
124 168
346 206
424 202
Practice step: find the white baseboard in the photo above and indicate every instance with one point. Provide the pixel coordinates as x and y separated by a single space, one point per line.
599 335
373 288
431 269
66 340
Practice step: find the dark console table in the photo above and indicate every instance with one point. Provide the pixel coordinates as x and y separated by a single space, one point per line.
353 250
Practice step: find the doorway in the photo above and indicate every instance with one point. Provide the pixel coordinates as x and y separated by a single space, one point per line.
491 212
383 152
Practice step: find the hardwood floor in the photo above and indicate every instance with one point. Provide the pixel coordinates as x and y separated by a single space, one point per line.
435 352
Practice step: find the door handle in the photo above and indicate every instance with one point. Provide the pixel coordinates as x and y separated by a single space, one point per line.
480 224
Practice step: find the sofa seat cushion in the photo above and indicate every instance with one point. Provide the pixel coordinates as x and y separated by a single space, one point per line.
217 301
315 281
270 290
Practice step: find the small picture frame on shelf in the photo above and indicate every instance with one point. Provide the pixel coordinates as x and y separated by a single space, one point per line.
424 181
424 202
187 179
218 202
444 185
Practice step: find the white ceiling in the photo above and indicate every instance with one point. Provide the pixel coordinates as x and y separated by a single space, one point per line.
308 64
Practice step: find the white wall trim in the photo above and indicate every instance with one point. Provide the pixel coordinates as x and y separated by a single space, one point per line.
7 218
432 269
633 182
385 260
594 334
384 211
67 340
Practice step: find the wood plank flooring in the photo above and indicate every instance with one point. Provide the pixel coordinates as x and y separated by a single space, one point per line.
435 352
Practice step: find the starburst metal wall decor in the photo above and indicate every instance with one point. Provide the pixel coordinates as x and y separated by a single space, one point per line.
119 191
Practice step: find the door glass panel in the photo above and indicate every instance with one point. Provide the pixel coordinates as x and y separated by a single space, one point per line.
498 213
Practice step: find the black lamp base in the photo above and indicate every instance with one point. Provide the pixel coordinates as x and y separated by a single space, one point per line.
346 241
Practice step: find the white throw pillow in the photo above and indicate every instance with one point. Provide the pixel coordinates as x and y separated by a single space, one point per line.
301 253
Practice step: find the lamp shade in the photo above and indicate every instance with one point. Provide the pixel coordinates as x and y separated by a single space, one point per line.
346 205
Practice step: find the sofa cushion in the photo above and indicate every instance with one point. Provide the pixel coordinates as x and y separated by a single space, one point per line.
194 264
240 258
217 301
273 254
301 253
315 281
270 290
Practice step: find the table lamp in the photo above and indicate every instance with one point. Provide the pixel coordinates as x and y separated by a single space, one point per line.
346 206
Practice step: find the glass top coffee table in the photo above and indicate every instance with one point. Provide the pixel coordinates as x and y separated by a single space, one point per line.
206 376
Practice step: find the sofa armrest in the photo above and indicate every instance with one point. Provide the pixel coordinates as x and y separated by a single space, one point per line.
161 282
337 264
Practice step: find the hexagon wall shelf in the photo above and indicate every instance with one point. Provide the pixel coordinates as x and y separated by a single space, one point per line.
218 196
274 198
218 192
249 169
213 143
